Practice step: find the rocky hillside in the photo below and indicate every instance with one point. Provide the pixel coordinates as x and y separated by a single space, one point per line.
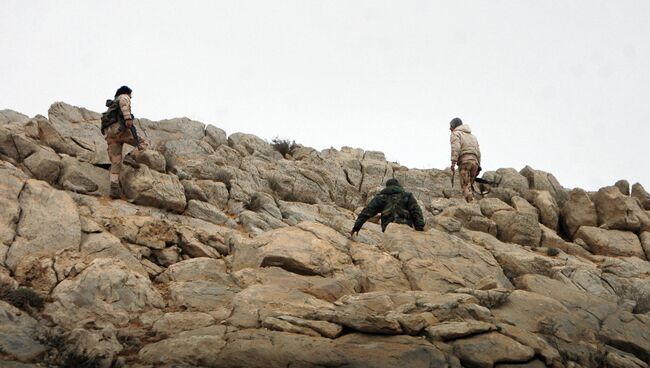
225 253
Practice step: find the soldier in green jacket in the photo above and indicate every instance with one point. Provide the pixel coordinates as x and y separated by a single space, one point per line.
395 205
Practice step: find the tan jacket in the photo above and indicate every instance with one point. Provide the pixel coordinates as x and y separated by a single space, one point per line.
125 106
463 143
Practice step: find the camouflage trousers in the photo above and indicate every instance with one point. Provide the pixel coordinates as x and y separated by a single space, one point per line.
468 170
115 140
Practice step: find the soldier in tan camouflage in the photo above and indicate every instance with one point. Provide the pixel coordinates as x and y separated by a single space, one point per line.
466 153
118 134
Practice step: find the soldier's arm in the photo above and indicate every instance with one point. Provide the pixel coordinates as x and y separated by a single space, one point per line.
374 207
455 146
125 106
416 213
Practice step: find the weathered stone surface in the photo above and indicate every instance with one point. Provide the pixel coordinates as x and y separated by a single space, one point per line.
523 206
19 334
450 264
10 116
610 242
189 351
618 212
455 330
12 182
629 333
49 221
540 180
213 192
381 271
151 188
470 216
207 212
489 206
202 296
153 159
82 177
98 346
173 323
486 350
518 227
623 186
159 132
578 211
214 136
105 291
549 212
645 243
508 179
44 164
641 195
80 130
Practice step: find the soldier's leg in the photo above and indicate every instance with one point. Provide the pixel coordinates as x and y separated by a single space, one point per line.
465 171
115 155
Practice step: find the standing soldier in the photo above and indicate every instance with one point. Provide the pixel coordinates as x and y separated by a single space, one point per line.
464 151
395 205
116 124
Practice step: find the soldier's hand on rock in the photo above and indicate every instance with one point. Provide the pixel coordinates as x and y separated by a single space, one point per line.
353 232
453 167
128 123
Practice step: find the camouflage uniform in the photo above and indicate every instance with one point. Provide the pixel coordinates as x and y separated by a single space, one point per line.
116 136
466 152
407 210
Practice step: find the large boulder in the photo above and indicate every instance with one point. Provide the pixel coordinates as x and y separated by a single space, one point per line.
437 261
19 334
80 130
540 180
610 242
107 290
9 116
577 211
618 212
44 164
159 132
645 243
82 177
12 182
518 227
549 211
151 188
207 212
485 350
642 195
49 222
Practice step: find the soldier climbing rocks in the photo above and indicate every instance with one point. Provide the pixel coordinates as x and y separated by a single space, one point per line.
395 205
466 153
117 124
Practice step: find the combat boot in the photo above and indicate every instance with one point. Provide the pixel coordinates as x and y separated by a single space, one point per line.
116 191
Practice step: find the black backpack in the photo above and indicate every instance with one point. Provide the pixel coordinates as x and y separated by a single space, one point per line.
112 115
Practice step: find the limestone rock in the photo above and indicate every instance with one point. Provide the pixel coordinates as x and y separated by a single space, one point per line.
105 291
489 206
80 130
9 116
49 221
202 296
208 212
618 212
518 227
44 164
214 136
98 346
19 334
455 330
641 195
523 206
82 177
623 186
12 182
549 212
175 322
540 180
151 188
215 193
645 243
486 350
159 132
578 211
610 242
153 159
629 333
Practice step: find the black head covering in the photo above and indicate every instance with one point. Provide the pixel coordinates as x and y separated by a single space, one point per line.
392 183
455 122
123 90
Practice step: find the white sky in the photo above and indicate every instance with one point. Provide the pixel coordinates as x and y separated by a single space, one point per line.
563 86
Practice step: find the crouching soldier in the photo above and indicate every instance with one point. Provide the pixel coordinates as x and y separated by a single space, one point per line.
117 125
395 205
466 153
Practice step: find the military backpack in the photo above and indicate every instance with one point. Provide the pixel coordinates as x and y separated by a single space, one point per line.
112 115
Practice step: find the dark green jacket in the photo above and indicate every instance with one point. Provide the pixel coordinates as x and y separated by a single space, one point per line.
406 209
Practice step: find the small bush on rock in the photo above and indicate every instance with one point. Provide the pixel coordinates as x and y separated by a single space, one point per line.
284 146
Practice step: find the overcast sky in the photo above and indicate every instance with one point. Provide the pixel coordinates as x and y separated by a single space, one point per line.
563 86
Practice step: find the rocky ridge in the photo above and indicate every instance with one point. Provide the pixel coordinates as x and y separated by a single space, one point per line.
225 253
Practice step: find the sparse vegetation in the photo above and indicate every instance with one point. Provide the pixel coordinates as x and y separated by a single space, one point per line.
254 203
225 177
22 297
284 146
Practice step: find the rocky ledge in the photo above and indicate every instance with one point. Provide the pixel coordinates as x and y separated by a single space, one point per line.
227 253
